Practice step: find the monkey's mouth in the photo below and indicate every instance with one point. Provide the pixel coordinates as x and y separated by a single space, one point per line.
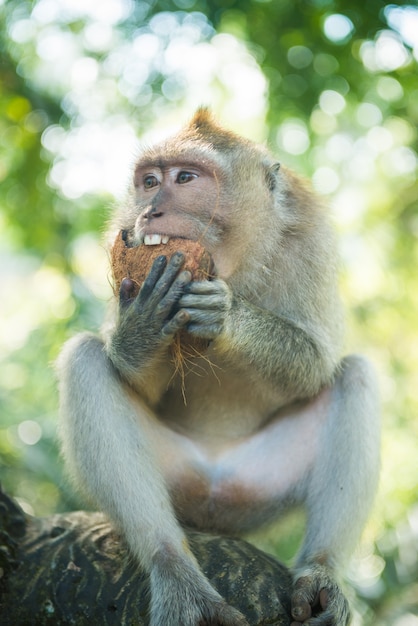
155 240
132 239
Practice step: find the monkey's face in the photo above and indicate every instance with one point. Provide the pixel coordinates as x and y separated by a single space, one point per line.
175 199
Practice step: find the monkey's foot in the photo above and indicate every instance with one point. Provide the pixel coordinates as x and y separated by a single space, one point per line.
317 600
180 594
212 614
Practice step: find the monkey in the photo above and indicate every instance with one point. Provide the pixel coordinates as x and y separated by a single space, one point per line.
268 417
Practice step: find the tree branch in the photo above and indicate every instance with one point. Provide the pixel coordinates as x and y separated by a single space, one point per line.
74 568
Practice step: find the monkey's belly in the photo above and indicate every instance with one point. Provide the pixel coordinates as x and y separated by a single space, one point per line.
236 486
222 508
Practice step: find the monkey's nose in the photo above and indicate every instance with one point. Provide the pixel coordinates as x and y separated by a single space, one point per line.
151 212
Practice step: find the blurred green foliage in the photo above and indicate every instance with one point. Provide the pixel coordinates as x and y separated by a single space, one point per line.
331 86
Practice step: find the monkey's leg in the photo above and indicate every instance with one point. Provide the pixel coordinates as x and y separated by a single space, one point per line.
108 445
339 494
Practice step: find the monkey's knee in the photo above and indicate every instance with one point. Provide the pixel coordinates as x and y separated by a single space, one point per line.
357 373
81 355
82 346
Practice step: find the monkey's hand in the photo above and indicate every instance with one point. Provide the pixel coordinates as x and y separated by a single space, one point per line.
182 596
148 322
207 304
317 600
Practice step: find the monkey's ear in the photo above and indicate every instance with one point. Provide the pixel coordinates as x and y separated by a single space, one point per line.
271 175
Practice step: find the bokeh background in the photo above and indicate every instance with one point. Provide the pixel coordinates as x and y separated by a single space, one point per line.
330 85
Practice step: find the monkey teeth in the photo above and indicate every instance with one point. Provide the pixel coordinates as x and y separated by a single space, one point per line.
155 240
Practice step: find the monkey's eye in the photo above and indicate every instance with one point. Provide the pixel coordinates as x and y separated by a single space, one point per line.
185 177
150 181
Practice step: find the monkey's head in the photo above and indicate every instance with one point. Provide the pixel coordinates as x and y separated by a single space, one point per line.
209 185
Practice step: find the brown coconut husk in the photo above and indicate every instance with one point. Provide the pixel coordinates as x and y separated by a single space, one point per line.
135 263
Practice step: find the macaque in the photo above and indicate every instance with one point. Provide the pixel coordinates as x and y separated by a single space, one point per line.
265 418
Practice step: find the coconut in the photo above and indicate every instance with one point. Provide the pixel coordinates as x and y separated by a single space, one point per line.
135 263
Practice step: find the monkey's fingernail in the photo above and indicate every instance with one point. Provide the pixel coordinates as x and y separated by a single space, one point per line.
178 257
186 276
183 315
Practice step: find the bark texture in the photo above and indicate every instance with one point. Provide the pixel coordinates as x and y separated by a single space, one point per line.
74 568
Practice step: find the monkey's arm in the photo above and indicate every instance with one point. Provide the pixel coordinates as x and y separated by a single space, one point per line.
284 352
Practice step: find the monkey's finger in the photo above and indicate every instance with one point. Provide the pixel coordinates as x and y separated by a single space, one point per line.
208 328
178 322
167 305
158 282
210 301
217 285
151 280
202 317
303 598
166 278
301 608
207 295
